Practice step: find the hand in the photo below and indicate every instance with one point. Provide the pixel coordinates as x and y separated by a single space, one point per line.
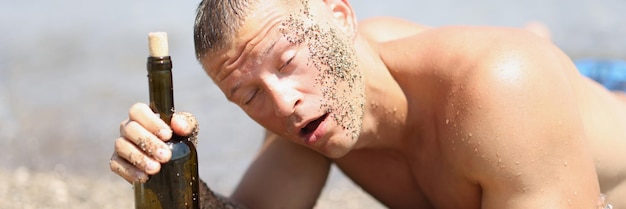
141 148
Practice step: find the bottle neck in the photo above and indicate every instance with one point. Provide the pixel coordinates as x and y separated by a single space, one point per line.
161 87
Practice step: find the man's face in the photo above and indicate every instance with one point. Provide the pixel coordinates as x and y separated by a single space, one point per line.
294 71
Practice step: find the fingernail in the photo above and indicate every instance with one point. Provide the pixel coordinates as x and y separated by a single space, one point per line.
140 177
152 166
182 123
163 154
165 133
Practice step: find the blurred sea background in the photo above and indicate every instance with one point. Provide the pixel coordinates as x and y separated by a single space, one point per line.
70 69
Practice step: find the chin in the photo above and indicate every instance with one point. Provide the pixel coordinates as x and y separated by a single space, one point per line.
335 154
338 147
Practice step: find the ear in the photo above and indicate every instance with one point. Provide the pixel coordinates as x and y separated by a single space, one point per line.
344 15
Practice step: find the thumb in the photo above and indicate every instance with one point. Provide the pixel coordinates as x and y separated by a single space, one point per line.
185 124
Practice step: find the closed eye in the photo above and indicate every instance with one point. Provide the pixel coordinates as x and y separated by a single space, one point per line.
250 97
286 63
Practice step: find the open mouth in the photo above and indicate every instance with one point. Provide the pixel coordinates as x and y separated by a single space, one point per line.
312 126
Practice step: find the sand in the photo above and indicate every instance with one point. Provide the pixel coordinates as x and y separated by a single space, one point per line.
25 189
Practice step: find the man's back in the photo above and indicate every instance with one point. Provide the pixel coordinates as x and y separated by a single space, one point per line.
448 60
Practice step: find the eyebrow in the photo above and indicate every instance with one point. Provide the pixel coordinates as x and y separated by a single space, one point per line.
233 89
237 85
269 49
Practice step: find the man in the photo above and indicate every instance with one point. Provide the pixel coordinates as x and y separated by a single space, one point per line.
453 117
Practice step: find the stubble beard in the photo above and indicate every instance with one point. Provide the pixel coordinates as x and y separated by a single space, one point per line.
332 53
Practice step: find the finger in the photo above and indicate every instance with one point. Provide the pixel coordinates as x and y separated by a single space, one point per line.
146 141
126 170
129 152
142 113
184 123
123 127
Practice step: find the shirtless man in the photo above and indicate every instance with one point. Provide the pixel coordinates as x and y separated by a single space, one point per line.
452 117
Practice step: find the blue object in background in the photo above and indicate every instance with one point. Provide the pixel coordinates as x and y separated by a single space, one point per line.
610 73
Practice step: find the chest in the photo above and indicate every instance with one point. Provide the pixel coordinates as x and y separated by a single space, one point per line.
401 183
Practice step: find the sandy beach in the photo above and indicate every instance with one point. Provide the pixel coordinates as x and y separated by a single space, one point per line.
25 189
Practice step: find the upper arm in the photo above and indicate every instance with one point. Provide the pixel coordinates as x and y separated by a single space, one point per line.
524 136
283 175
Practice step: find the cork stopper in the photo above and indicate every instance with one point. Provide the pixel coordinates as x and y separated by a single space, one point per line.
157 42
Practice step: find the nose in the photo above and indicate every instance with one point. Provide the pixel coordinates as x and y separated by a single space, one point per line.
285 98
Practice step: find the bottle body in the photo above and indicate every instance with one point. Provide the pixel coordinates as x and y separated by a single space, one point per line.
176 185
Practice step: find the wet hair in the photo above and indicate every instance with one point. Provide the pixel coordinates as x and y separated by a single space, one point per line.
216 23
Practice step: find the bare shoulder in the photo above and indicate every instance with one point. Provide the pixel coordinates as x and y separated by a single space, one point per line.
471 45
480 59
517 108
506 112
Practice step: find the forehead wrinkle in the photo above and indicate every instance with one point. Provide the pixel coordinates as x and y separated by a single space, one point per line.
240 56
231 65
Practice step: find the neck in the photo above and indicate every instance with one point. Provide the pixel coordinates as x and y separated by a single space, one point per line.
385 119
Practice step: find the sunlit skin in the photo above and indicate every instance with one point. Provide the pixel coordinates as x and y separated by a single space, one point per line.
452 117
276 81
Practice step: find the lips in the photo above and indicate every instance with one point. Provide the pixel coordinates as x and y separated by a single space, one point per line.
312 126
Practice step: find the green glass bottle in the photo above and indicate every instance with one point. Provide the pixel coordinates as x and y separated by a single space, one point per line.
176 185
